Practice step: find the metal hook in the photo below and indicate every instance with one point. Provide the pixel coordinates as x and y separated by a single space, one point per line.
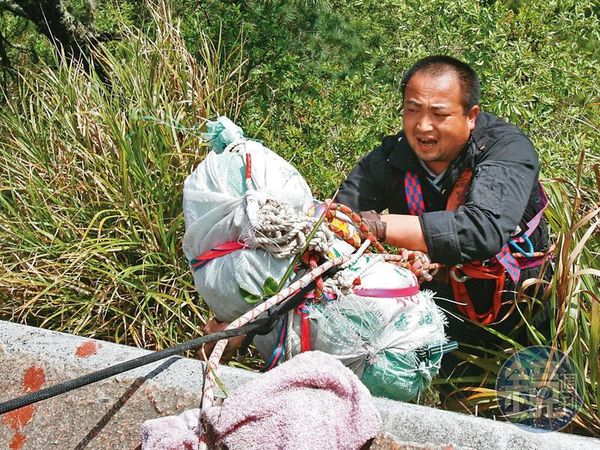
453 274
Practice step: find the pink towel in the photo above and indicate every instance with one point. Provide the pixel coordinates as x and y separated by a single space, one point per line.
171 432
310 402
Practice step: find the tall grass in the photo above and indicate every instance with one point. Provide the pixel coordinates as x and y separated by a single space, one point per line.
574 299
575 289
91 177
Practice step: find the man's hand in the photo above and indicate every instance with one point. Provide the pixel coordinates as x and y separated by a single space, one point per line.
212 326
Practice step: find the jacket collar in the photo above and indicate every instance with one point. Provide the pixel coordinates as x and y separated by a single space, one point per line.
480 134
402 155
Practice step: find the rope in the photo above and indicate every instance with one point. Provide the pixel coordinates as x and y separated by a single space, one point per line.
213 361
365 231
416 261
345 280
357 254
288 335
526 253
64 387
276 228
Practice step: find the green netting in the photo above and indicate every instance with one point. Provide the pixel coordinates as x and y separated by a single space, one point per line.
222 132
400 375
365 323
233 166
378 342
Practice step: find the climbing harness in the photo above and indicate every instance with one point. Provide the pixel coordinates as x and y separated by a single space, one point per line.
497 267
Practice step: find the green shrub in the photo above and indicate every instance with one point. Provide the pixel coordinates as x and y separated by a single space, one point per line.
325 81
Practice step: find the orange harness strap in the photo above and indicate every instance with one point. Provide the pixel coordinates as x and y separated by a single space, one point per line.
475 269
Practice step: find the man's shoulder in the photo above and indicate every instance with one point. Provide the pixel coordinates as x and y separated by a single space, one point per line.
491 128
502 140
388 145
380 155
394 152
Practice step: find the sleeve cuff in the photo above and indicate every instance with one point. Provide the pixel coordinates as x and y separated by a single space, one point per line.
441 237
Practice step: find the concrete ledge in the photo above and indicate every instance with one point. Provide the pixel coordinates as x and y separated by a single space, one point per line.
108 414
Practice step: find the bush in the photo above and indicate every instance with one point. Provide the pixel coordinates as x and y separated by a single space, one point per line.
325 80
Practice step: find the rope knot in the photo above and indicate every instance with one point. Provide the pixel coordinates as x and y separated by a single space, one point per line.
278 229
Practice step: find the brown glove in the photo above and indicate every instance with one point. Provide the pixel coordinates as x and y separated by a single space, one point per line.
376 225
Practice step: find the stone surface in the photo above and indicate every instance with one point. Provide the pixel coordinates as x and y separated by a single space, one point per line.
107 414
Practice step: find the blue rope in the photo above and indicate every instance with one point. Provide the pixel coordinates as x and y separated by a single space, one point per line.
279 349
437 349
517 247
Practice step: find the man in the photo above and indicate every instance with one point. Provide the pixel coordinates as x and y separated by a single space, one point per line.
458 184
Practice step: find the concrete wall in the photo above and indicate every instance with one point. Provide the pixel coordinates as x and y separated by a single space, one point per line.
107 415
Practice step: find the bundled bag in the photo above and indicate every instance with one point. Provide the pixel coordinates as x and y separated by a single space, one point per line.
236 177
373 318
392 337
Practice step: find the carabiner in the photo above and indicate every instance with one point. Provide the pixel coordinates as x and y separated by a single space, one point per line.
455 277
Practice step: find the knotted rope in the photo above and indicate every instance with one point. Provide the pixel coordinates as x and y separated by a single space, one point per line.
278 229
215 357
416 261
345 280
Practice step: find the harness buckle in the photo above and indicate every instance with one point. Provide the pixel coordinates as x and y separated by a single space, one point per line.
457 278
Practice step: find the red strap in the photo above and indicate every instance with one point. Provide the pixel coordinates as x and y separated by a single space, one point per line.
473 270
305 344
388 293
413 194
216 252
458 194
248 168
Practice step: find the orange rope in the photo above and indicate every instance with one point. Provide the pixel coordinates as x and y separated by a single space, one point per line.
358 222
417 262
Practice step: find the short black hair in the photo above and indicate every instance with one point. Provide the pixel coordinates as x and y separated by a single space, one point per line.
442 64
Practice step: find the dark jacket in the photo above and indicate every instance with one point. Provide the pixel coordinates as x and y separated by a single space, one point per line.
504 191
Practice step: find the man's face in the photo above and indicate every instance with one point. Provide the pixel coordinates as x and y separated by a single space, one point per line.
434 120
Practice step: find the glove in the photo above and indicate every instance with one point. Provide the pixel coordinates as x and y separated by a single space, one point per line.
372 220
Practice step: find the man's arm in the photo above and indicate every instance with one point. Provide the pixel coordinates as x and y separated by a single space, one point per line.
404 231
496 201
477 230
